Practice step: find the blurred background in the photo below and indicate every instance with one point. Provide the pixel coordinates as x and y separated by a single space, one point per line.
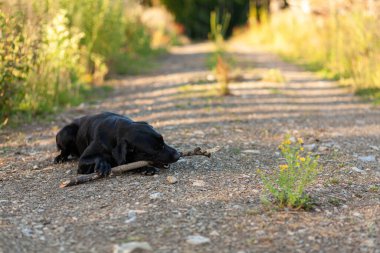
56 53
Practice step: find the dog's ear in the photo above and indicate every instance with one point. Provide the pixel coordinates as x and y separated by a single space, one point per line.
119 152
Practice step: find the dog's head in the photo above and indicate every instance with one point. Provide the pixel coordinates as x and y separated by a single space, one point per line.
141 142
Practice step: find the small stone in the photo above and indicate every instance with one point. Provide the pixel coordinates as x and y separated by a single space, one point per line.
171 179
237 207
155 195
310 147
199 183
356 214
357 170
199 132
367 159
35 167
27 232
251 151
131 216
214 233
323 148
197 239
132 247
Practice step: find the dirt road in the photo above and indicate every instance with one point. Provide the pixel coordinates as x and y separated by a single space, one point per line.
217 198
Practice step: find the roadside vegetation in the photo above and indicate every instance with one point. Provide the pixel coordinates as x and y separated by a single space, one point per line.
341 41
57 53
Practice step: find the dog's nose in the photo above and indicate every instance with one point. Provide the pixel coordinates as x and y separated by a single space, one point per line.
176 156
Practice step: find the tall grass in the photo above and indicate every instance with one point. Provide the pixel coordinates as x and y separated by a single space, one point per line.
219 60
343 43
50 51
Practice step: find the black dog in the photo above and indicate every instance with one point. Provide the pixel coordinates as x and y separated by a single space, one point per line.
107 139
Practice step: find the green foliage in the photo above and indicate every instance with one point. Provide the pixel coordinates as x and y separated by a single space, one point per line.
287 184
15 61
195 14
372 94
344 45
56 67
50 50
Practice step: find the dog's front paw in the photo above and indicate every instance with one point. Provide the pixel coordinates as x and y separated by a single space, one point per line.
151 171
60 159
103 168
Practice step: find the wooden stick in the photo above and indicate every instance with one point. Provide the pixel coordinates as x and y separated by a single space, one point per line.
196 151
126 167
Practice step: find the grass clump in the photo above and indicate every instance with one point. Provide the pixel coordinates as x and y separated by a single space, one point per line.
288 183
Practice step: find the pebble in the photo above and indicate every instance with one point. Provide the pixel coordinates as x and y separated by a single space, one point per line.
251 151
214 233
132 247
27 232
131 216
155 195
197 239
310 147
322 148
199 183
199 132
357 170
369 158
171 179
35 167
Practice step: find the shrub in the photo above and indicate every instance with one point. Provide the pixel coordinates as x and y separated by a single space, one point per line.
288 183
15 62
56 68
50 50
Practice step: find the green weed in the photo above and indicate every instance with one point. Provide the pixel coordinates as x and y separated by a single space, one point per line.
288 183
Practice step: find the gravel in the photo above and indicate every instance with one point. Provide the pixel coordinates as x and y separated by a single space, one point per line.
217 198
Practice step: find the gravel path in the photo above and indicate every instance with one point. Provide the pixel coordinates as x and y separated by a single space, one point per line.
217 198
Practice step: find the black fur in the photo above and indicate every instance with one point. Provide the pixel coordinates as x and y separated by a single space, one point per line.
107 140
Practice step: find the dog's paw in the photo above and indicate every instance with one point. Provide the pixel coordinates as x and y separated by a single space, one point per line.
60 159
151 171
103 168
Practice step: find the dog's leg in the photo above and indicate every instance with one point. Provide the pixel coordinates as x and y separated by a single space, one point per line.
65 140
62 157
94 159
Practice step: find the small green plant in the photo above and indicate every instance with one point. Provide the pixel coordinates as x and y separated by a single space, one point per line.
288 183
